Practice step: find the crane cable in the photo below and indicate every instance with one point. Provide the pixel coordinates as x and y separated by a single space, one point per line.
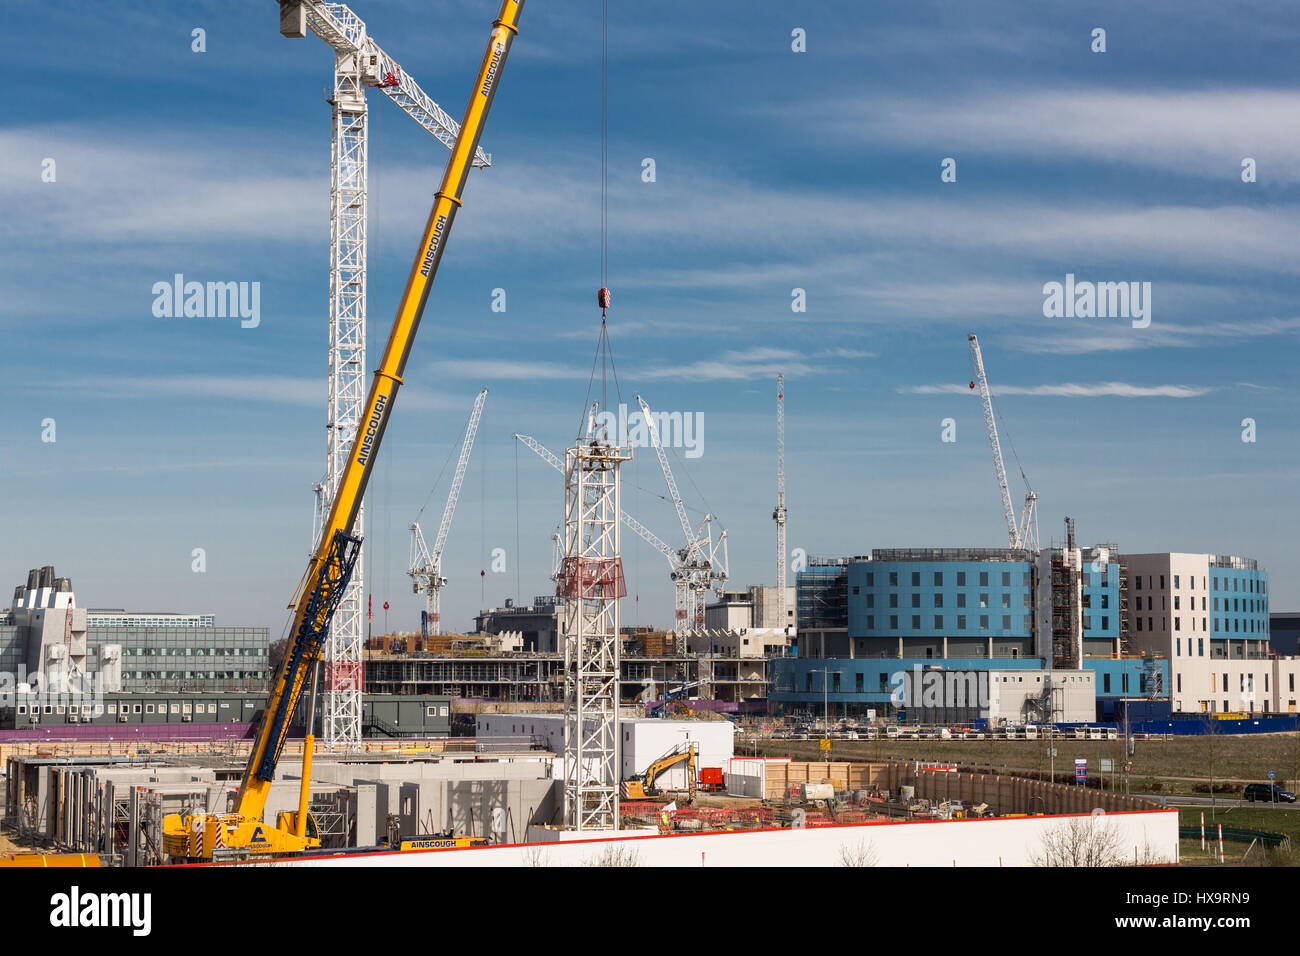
604 352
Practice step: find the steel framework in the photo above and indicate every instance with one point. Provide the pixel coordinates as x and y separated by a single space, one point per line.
778 514
1022 533
703 561
689 595
359 63
591 583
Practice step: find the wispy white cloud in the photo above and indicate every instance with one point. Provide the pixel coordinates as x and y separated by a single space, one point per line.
1124 338
1070 390
1204 133
273 389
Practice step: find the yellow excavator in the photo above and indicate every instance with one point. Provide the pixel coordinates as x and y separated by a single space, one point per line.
641 786
195 836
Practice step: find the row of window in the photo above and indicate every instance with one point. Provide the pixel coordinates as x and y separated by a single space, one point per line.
1239 605
938 579
98 710
1257 585
193 651
1005 599
961 622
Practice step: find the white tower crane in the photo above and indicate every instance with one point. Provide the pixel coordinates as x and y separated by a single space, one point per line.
778 515
1022 533
359 63
701 560
426 566
685 600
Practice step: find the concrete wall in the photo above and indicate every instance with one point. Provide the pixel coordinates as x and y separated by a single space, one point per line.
1013 842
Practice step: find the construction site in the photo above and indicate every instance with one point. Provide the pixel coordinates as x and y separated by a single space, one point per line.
557 734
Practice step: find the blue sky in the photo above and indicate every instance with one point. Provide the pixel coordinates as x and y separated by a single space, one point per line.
775 170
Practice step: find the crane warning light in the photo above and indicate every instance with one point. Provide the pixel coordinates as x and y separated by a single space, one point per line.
972 384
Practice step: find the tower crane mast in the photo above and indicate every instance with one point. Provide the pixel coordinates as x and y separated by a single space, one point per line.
195 835
778 515
1021 533
360 64
702 563
426 566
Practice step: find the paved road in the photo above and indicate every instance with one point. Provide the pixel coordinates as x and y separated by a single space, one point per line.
1222 802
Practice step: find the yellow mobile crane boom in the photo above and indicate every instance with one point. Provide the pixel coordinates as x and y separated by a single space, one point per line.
327 574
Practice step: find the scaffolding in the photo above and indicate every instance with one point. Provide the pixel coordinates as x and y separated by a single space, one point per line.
591 583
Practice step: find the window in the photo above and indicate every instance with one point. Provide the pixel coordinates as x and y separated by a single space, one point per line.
1200 647
961 600
984 579
961 579
893 622
1139 623
916 600
1006 579
938 622
871 579
938 600
1175 581
1138 583
1006 600
984 600
1178 647
855 589
1006 622
1162 582
938 579
1105 623
871 622
961 622
433 712
916 579
1105 683
893 578
1178 621
858 684
916 622
1105 600
1177 603
148 708
984 622
893 600
871 600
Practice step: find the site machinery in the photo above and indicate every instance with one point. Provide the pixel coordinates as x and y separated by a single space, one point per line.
196 835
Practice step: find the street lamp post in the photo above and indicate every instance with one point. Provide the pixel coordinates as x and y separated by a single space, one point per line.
826 709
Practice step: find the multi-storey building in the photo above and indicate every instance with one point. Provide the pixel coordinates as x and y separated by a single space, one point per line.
1209 614
47 640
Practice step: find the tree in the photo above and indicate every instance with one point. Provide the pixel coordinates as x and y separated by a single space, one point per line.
275 657
862 854
1080 841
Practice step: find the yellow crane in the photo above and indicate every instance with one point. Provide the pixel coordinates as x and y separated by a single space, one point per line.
196 835
641 786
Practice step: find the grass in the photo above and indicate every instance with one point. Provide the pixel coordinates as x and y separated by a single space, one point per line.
1176 764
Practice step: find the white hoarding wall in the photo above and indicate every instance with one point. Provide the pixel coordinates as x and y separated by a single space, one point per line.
1143 837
